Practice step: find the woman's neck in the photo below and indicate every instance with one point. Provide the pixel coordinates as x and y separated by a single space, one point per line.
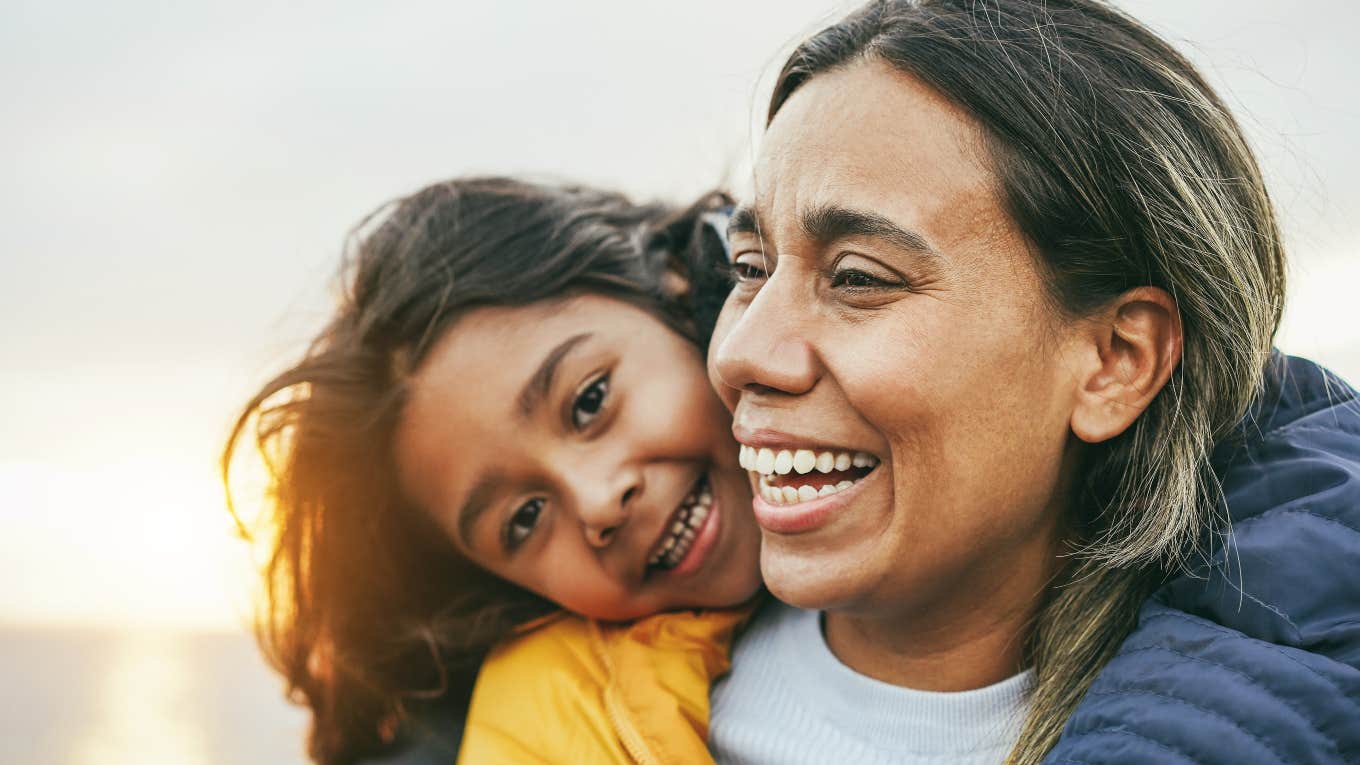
974 637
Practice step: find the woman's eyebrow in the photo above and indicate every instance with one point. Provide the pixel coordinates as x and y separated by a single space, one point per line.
538 385
828 223
743 221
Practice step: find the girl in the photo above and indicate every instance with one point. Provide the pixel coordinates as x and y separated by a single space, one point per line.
508 414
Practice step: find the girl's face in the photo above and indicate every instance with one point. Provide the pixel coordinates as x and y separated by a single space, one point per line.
889 308
575 448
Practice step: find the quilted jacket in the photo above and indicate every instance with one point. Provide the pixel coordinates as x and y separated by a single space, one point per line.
1254 656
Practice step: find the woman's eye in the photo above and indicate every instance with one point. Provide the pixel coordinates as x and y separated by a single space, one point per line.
748 267
522 523
855 279
589 402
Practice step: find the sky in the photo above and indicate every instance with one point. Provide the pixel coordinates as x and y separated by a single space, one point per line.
180 177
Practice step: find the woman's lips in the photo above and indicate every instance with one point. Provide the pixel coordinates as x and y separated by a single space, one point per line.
802 517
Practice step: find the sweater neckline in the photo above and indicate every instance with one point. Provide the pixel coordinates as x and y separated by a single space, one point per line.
909 720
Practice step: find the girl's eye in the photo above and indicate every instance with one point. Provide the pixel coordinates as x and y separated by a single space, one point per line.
589 402
748 267
522 523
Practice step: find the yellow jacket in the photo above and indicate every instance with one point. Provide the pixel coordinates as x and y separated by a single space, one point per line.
580 691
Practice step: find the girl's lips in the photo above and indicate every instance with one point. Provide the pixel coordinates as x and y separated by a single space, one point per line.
805 517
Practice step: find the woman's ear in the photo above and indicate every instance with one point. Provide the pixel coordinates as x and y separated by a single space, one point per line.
1136 341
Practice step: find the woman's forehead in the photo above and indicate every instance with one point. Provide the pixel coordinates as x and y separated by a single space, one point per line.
897 149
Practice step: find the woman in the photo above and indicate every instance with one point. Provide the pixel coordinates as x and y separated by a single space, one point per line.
507 414
1020 253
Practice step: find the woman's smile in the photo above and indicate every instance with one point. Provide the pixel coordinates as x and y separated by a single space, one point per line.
799 487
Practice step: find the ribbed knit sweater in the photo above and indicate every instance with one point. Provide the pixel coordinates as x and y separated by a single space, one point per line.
789 700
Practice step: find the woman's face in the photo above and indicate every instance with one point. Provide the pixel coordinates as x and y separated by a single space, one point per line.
575 448
887 307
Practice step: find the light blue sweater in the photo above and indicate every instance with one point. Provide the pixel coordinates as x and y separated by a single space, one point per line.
789 700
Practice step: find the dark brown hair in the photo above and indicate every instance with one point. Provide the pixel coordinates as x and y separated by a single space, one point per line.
366 604
1123 168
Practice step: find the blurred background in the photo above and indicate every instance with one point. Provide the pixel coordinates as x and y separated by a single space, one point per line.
179 180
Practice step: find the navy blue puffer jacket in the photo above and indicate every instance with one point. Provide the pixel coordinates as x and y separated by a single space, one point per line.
1255 656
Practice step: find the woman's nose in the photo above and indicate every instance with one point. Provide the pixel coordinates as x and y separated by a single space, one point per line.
766 348
604 504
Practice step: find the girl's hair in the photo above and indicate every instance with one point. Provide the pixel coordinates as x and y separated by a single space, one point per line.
1123 168
367 604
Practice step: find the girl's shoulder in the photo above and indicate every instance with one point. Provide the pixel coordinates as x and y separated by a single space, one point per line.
580 690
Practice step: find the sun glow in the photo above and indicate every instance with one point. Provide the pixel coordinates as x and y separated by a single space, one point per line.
143 699
135 542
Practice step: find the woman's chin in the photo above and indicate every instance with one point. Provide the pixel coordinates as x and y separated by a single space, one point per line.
813 582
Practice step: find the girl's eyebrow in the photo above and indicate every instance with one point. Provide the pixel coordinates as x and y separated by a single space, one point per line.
536 389
476 505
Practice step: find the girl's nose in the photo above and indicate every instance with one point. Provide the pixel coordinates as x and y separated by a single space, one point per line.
606 507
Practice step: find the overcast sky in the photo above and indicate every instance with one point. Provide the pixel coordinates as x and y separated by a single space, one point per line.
180 177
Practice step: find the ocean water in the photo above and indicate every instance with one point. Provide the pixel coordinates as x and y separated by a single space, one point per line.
87 697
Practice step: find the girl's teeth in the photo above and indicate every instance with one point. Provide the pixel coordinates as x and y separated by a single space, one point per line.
683 531
843 461
783 462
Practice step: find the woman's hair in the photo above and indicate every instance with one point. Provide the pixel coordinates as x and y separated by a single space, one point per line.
366 603
1123 168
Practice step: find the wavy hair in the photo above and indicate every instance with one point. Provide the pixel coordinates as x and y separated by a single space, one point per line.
366 604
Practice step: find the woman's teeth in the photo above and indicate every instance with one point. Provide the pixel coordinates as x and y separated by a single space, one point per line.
684 528
848 468
787 495
802 461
